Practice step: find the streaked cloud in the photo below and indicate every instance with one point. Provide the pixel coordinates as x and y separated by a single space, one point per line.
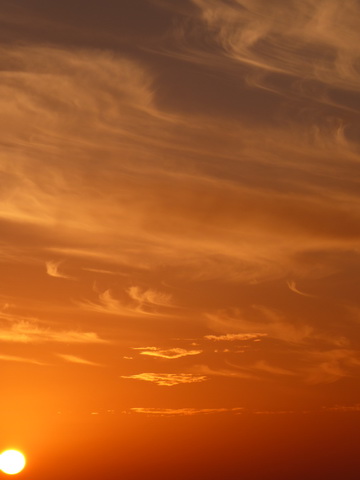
225 372
292 285
150 297
136 303
343 408
167 379
77 360
331 365
308 40
232 337
267 322
170 353
27 332
52 269
171 412
17 359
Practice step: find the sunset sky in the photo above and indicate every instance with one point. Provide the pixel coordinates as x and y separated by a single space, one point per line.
179 238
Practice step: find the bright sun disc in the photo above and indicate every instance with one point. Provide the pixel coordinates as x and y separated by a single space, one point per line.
12 462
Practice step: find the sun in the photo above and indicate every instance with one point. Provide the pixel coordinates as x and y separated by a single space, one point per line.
12 462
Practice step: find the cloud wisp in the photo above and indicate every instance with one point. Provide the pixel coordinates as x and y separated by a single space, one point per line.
181 412
29 332
232 337
138 303
167 379
170 353
17 359
52 269
77 360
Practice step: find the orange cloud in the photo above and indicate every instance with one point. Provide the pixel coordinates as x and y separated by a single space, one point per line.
77 360
185 411
171 353
14 358
28 332
52 269
167 379
231 337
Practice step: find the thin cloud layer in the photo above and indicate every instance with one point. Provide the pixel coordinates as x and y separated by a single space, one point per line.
308 40
52 269
16 359
185 411
232 337
171 353
28 332
168 379
76 359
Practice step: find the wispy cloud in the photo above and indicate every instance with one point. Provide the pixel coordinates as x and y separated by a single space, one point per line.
167 379
343 408
232 337
268 322
108 304
331 365
279 38
150 297
292 285
14 358
28 332
77 360
170 353
225 372
172 412
137 303
52 269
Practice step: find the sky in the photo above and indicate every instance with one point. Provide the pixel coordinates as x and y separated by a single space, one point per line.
179 238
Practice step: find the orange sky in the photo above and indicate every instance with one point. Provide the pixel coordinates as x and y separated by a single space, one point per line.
179 238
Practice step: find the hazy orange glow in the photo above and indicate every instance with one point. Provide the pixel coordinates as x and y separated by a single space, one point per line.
179 238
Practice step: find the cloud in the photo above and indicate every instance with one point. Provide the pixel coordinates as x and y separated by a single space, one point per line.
13 358
343 408
224 372
168 379
140 303
265 367
150 297
231 337
307 40
331 365
292 285
170 353
172 412
102 271
77 360
29 332
107 304
52 269
268 322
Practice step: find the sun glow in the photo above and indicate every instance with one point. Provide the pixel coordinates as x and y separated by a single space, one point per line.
12 462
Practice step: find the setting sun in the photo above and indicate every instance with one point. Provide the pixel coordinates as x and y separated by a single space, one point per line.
12 462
